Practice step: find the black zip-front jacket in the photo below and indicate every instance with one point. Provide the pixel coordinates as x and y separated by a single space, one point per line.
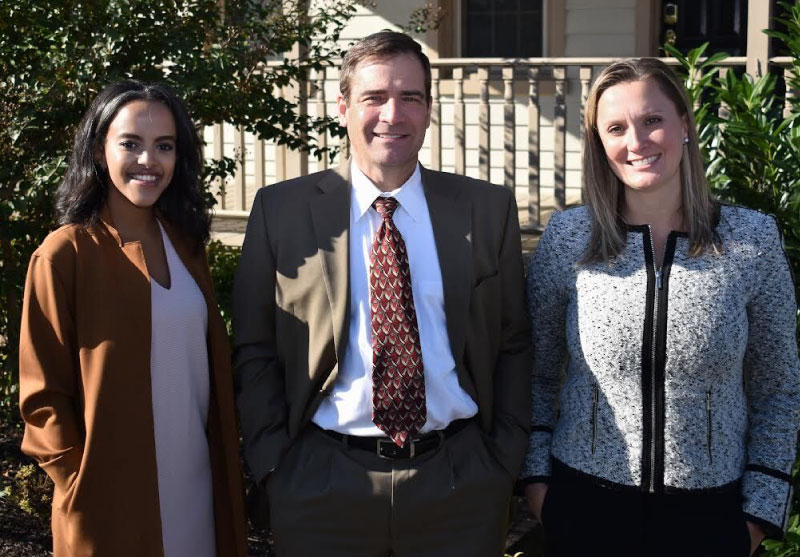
683 378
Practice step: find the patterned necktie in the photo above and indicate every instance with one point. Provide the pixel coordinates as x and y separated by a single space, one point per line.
398 383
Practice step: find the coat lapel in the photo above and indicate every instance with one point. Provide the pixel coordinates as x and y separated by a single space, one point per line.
451 219
330 213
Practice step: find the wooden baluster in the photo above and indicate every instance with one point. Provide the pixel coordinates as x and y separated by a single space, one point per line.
460 143
484 125
698 75
343 153
303 95
219 153
436 121
240 181
321 111
723 110
560 145
509 139
586 78
791 93
534 199
259 166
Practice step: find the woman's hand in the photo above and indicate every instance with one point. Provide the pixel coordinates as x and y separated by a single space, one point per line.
757 534
535 493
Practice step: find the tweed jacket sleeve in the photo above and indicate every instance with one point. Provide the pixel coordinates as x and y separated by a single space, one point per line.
772 383
547 298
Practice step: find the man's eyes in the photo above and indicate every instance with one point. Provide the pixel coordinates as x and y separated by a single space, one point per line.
379 99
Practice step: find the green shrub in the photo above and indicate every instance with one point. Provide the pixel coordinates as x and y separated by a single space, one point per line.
30 489
56 55
223 261
752 152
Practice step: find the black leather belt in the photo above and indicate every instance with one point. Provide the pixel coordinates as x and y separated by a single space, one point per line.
386 448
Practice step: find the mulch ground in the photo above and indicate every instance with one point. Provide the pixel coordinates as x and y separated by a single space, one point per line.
21 534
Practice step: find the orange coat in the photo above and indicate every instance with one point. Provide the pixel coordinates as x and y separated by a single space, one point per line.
86 400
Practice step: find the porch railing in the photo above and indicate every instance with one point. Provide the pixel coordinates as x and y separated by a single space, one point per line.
513 122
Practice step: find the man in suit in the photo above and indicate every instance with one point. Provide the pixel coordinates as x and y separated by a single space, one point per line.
382 343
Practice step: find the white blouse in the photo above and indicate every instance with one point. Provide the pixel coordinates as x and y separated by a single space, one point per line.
180 389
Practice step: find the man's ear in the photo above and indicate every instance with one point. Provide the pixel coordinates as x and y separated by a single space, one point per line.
341 108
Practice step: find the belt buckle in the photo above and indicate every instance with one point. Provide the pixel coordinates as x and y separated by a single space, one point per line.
393 447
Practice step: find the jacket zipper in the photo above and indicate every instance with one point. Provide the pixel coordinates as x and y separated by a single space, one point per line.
708 424
595 397
653 420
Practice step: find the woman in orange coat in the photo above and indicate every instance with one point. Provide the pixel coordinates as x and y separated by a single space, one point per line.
125 382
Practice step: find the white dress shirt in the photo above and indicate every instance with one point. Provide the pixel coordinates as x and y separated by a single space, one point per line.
348 409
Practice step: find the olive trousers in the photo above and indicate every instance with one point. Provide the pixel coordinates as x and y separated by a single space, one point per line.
328 498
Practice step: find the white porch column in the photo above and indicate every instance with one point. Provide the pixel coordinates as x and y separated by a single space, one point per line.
759 17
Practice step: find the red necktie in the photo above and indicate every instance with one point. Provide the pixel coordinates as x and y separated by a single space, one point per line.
398 383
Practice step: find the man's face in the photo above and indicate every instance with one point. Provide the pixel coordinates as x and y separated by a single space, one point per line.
386 117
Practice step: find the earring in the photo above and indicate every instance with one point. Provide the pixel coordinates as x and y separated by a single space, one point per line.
686 141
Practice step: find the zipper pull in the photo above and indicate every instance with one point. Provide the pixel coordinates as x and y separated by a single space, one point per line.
659 280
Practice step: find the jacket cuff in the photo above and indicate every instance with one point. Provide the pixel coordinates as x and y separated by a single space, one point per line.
263 457
771 530
507 443
537 459
522 483
767 498
63 468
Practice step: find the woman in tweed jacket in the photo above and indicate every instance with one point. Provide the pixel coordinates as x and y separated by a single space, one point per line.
666 383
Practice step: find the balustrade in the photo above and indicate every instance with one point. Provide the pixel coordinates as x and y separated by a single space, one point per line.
539 105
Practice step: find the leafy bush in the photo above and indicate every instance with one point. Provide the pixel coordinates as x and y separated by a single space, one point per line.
223 261
56 55
753 159
753 150
31 490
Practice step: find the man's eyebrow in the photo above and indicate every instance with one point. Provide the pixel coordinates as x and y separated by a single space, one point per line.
372 92
405 93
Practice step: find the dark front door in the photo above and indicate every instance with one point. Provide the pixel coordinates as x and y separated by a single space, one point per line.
722 23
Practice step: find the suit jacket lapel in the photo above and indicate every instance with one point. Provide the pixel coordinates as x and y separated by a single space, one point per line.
452 231
330 212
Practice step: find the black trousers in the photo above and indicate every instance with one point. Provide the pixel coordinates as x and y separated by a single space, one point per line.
581 518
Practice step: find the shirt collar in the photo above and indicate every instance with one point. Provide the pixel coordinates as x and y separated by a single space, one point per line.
364 192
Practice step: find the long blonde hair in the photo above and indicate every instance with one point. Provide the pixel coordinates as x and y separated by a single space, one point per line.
603 191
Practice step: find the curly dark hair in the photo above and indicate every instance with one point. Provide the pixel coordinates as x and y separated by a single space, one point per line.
83 191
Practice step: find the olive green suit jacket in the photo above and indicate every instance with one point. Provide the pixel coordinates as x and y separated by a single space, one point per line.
292 300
